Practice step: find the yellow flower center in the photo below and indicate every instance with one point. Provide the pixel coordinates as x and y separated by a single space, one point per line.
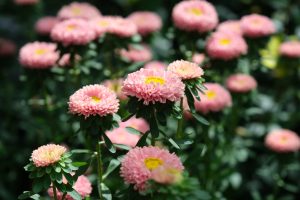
155 79
210 94
103 23
71 27
40 52
76 11
96 99
283 139
153 163
195 11
225 41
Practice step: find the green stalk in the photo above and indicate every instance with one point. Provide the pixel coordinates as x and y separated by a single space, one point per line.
179 133
100 170
54 192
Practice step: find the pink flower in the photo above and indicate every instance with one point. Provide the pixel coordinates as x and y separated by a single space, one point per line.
153 86
93 100
255 25
165 175
44 25
47 155
116 86
83 186
139 163
198 16
102 24
65 60
73 32
122 27
38 55
7 47
215 99
241 83
290 49
185 70
137 54
155 65
283 140
232 26
26 2
226 46
198 58
122 136
146 22
78 10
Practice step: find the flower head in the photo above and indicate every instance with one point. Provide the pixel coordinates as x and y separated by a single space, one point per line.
290 49
283 140
116 86
45 24
93 100
192 15
146 22
137 54
225 46
139 163
232 26
38 55
153 86
198 58
185 69
241 83
73 32
102 24
78 10
155 65
255 25
122 27
47 155
166 175
65 60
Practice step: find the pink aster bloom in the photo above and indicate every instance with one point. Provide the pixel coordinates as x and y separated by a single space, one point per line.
146 22
7 47
215 99
232 26
26 2
82 185
47 154
198 16
283 140
255 25
155 65
73 32
151 86
65 60
121 27
93 100
198 58
137 54
226 46
166 175
38 55
78 10
102 24
139 163
45 24
290 49
116 86
185 69
241 83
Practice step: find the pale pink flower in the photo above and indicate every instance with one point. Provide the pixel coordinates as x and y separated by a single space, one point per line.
198 16
116 86
226 46
45 24
102 24
146 22
198 58
26 2
93 100
215 99
255 25
142 53
73 32
7 47
47 155
155 65
283 140
78 10
65 60
241 83
137 123
290 49
232 26
166 175
151 86
82 185
139 163
38 55
185 69
122 27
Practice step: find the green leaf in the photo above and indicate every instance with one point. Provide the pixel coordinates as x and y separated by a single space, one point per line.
127 117
200 119
106 192
113 164
57 169
79 151
79 164
191 100
117 118
25 195
122 146
48 169
37 185
30 167
143 139
133 131
174 143
69 178
109 144
74 195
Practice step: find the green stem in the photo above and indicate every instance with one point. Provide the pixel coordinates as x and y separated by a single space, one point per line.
179 133
64 196
100 170
54 192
